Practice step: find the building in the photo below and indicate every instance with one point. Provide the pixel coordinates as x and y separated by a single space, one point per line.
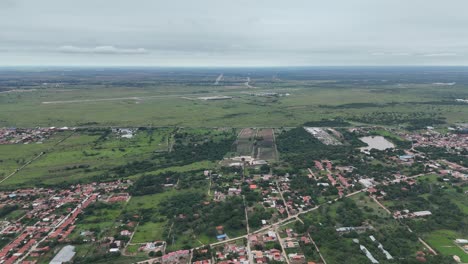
64 255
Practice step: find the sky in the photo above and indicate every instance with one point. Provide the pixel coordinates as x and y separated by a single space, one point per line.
233 32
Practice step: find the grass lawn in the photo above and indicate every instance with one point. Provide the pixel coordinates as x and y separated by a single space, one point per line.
148 201
443 242
149 232
368 205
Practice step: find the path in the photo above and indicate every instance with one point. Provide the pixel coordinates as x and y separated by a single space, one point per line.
282 198
282 247
409 229
381 205
35 158
316 248
274 144
249 250
280 222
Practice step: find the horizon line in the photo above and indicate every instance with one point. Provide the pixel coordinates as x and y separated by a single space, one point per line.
232 66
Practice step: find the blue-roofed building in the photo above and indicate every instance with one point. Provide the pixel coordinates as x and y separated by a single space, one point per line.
221 237
406 157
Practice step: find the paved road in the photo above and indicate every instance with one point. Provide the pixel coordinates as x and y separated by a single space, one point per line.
34 247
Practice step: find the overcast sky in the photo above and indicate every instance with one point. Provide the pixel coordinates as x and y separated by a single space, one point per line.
233 32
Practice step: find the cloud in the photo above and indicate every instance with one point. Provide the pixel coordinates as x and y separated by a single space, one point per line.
267 32
447 54
391 54
101 50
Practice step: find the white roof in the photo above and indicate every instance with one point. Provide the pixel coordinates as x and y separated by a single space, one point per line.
64 255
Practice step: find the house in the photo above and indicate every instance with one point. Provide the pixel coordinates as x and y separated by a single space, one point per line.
221 237
422 213
125 233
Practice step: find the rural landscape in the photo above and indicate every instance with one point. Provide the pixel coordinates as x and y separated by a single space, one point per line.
234 165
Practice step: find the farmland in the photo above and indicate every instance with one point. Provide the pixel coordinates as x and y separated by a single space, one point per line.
258 143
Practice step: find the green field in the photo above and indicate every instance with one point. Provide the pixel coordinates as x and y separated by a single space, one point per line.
84 155
165 105
149 232
443 242
13 156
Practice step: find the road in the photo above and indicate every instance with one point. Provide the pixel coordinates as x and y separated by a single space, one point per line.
249 250
220 77
409 229
316 248
295 217
20 260
247 83
282 198
280 222
280 240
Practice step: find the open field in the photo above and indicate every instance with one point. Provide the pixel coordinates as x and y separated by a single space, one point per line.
14 156
84 155
443 242
154 96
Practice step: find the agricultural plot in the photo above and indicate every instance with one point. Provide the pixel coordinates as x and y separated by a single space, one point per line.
258 143
265 147
245 142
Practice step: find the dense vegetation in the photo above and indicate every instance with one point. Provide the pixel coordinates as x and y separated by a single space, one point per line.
337 122
412 121
184 152
300 149
188 211
436 153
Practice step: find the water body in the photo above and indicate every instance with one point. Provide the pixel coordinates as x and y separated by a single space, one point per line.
376 142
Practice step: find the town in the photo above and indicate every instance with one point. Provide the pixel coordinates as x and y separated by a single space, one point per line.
274 207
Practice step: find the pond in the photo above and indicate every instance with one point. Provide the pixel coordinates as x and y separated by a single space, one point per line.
376 142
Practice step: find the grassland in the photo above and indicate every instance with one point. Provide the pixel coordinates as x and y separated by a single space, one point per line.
158 102
13 156
84 155
443 242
